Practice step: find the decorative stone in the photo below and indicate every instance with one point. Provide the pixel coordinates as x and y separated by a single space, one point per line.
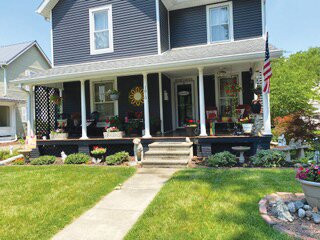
283 211
309 214
315 209
316 218
301 213
307 207
298 204
292 207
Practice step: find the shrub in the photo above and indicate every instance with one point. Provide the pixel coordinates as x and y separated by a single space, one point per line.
5 154
19 161
43 160
77 158
223 159
269 158
117 158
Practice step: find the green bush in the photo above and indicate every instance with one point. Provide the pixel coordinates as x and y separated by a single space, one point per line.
223 159
77 158
19 161
5 154
269 158
43 160
117 158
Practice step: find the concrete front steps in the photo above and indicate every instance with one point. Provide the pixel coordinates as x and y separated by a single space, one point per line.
168 155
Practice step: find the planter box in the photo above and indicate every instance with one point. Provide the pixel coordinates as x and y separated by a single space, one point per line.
59 136
247 128
312 192
108 135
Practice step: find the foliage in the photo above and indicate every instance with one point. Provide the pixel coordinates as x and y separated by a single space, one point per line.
269 158
191 123
5 154
311 173
36 203
220 204
98 151
223 159
77 158
295 82
295 125
246 120
116 122
43 160
117 158
112 92
19 161
112 129
55 99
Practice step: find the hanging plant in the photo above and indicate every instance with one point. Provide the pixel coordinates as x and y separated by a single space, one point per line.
258 90
55 99
113 94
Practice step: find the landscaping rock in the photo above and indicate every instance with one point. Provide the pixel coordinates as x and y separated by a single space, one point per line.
308 214
315 209
292 207
316 218
298 204
283 211
301 213
307 207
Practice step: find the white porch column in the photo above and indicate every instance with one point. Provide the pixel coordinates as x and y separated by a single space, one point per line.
146 107
83 111
266 109
161 103
203 131
29 106
32 109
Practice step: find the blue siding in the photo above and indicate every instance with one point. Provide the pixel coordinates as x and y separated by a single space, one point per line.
188 26
134 26
164 28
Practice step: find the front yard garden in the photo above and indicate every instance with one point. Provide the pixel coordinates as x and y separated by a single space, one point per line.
38 201
214 204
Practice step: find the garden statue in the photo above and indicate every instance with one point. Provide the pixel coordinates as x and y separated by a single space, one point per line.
138 150
63 156
292 143
282 141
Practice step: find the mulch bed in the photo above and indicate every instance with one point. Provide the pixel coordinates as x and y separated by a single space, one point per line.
299 228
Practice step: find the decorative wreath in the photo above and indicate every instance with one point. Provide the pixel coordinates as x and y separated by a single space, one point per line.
136 96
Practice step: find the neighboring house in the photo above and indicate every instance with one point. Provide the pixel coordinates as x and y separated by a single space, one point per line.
181 53
17 60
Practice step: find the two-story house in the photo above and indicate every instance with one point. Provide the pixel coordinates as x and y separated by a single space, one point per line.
170 60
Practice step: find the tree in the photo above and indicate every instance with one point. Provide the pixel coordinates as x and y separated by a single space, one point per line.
295 82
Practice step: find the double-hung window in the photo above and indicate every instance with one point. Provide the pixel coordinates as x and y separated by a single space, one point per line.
220 22
101 32
102 102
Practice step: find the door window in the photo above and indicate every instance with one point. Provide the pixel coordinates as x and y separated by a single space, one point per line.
185 104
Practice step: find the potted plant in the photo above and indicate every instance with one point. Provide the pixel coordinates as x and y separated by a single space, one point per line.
191 127
98 154
112 132
58 134
256 107
247 124
113 94
55 99
309 178
258 90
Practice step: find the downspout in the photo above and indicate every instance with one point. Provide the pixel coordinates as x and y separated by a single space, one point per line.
5 83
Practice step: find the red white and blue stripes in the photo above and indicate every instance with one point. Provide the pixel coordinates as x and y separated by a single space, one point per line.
267 70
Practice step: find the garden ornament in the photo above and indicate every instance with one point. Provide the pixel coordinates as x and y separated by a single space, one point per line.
138 150
63 156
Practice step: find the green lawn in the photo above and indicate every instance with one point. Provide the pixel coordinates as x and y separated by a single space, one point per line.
36 202
213 204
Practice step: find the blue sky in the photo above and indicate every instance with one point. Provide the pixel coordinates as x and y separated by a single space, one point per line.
293 24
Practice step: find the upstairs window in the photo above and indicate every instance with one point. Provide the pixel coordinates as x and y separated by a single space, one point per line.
101 35
219 22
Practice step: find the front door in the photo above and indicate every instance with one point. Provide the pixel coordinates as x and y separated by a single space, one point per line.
184 103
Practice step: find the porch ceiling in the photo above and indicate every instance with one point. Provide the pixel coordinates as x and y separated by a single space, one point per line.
181 58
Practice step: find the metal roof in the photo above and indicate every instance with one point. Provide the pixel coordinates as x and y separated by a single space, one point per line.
179 58
11 52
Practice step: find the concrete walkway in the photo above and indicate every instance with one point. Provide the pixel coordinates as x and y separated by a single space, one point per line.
116 213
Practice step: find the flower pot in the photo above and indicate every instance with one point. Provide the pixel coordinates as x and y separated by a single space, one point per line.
247 128
312 192
62 123
108 135
59 136
114 97
190 131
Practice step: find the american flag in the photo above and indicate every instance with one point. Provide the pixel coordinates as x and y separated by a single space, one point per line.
267 70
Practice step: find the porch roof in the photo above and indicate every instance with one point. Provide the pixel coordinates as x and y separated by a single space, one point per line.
11 100
179 58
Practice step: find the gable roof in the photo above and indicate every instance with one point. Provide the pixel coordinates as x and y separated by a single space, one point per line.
45 8
10 53
189 57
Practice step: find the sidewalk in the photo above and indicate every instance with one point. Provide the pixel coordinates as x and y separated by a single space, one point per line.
116 213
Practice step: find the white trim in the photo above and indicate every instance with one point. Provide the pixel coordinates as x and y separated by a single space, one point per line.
83 110
51 36
241 91
161 102
264 18
173 102
231 31
11 129
169 30
202 104
114 80
146 107
166 66
92 11
158 26
216 88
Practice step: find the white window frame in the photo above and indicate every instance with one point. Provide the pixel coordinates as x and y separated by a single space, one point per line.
231 33
92 11
92 93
